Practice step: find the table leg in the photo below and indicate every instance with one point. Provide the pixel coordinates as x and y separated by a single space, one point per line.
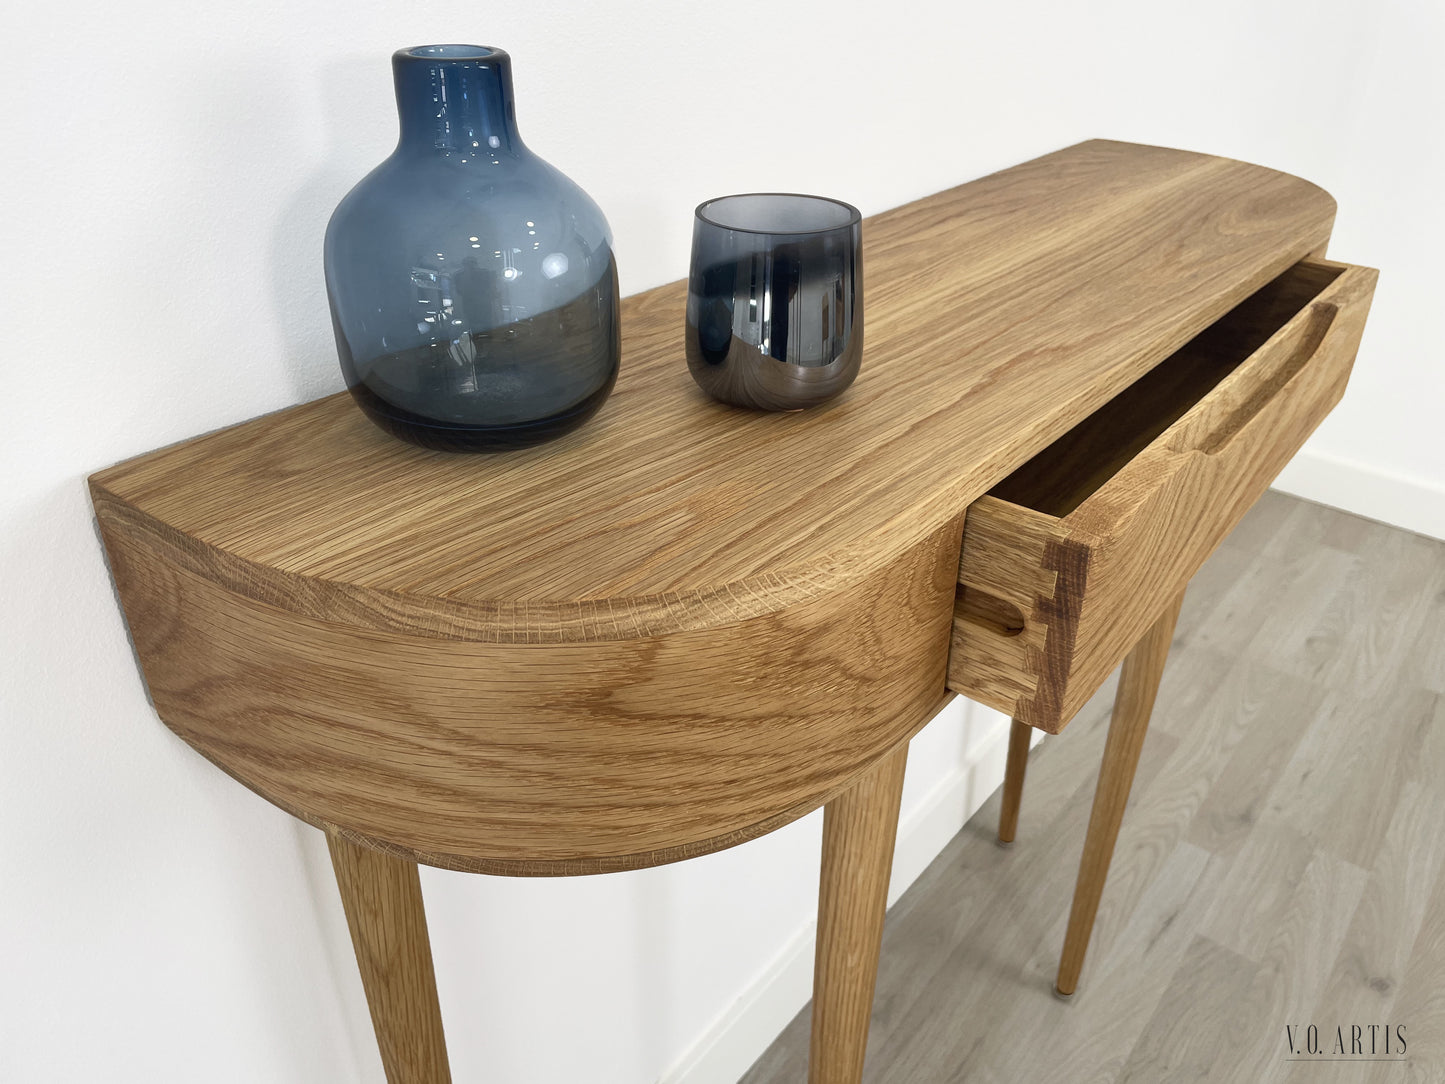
382 897
1133 704
859 827
1019 737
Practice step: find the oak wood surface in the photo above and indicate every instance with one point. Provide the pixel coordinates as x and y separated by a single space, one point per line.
1133 705
684 624
526 760
999 314
1072 468
859 827
1088 541
382 897
1015 767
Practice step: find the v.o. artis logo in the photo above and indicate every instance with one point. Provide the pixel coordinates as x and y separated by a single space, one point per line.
1346 1042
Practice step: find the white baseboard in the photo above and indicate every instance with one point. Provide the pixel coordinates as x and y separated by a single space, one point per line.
741 1034
1414 503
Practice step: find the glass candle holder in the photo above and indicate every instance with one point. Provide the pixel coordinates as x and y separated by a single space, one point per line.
775 299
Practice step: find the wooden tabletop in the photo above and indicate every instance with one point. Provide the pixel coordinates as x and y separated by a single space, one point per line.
684 624
998 314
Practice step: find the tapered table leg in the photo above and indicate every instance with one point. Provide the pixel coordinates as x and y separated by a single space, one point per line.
1133 704
859 827
382 897
1019 736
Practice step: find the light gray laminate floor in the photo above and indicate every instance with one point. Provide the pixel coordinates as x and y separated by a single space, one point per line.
1282 860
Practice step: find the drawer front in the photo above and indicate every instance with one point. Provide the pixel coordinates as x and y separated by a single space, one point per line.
1049 604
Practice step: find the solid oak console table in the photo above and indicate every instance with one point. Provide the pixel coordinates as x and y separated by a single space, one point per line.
685 625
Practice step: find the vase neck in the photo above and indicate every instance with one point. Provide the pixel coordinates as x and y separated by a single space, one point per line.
455 98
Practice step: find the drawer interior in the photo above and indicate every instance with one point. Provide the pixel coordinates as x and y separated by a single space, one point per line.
1067 472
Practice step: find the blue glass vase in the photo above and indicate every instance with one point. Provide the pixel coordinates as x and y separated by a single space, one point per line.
473 288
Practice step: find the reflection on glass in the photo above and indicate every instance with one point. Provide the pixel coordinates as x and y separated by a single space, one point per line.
775 299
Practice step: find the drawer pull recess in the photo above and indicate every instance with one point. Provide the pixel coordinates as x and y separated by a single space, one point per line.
1068 560
1311 336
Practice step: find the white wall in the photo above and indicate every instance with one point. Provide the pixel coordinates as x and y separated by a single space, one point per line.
170 168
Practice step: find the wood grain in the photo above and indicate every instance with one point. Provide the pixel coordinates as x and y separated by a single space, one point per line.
1091 538
858 832
382 897
1138 685
1019 736
1063 475
999 314
546 759
684 624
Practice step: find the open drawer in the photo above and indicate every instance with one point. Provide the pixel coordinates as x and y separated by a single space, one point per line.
1068 561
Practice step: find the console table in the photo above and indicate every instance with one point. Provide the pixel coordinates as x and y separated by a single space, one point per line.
685 625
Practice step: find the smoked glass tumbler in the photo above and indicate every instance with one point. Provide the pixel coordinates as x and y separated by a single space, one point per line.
775 299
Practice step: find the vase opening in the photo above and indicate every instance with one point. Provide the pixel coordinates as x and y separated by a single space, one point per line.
456 99
448 52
